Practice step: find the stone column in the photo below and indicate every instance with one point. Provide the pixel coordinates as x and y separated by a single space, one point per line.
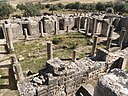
74 55
17 67
105 28
67 30
29 28
122 37
87 26
25 34
9 39
78 22
41 29
4 30
49 51
94 27
94 45
109 38
55 28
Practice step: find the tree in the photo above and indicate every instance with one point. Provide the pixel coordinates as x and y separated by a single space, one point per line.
54 8
77 5
100 6
21 6
42 6
69 6
30 9
92 7
109 4
48 5
86 7
60 5
119 7
5 10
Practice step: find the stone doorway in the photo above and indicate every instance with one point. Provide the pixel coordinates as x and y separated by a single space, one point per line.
61 24
27 26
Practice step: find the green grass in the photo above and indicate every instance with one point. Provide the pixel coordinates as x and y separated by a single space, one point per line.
34 52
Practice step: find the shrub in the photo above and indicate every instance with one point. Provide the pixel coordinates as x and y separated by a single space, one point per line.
56 40
30 9
72 45
100 6
5 10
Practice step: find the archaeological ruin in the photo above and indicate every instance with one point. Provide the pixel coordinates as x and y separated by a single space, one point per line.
69 78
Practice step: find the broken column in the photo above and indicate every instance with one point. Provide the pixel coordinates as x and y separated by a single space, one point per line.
122 37
78 24
94 45
17 67
41 29
67 30
25 34
49 51
105 28
74 55
29 28
87 26
9 39
94 27
55 28
109 38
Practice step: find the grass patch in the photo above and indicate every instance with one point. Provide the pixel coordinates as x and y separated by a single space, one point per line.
34 52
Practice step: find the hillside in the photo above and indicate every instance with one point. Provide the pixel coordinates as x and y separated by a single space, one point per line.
15 2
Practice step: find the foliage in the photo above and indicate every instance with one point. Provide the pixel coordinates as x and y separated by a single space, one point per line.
88 7
109 4
30 9
120 7
5 10
56 40
100 6
60 5
72 45
76 5
69 6
48 5
54 8
42 6
92 7
21 6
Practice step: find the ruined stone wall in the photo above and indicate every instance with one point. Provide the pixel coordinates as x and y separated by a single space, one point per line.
17 31
113 84
61 78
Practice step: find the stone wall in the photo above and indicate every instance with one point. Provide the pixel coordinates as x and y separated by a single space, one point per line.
61 78
113 84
